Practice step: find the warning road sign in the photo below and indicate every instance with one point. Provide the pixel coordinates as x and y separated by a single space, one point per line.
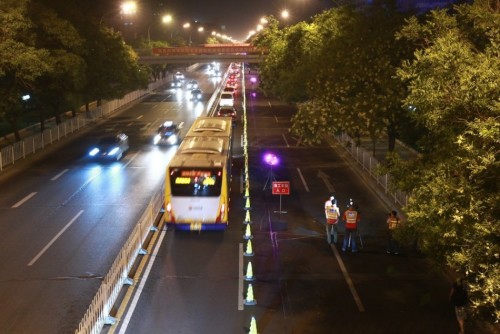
281 188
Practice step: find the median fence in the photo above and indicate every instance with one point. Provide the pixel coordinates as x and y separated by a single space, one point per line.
98 313
37 142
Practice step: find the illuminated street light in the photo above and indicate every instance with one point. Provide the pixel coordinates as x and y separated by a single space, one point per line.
129 7
166 19
201 29
187 26
263 20
126 8
285 14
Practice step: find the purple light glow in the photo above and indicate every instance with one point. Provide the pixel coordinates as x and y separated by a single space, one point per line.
271 159
253 79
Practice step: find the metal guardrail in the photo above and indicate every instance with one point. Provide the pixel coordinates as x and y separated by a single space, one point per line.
34 143
370 164
98 313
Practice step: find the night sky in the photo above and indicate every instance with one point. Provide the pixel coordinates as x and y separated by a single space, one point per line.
241 16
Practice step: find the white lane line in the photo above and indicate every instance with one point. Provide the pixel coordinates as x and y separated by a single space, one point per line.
284 138
276 119
269 104
303 180
139 117
55 238
59 175
130 124
240 280
131 159
21 202
348 279
133 303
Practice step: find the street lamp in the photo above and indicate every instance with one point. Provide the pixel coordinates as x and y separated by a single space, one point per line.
187 25
166 19
285 14
126 8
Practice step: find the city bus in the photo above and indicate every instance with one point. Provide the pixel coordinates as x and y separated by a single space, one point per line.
198 177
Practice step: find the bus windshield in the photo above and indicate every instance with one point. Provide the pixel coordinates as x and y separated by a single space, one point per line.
203 182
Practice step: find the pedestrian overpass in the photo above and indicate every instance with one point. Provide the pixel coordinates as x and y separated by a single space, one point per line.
205 53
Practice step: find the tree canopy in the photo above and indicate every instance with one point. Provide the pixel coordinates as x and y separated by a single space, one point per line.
373 72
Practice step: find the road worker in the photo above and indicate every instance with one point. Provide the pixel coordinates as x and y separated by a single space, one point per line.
393 222
351 217
332 214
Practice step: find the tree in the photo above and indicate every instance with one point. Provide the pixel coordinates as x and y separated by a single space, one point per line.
453 91
356 61
21 61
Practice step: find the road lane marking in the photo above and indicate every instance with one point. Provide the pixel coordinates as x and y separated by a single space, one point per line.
21 202
284 138
59 175
139 117
276 119
140 288
240 279
131 159
348 279
303 180
54 239
326 180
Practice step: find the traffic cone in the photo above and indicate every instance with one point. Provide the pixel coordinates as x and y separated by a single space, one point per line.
249 275
249 250
247 218
253 326
247 204
250 300
248 233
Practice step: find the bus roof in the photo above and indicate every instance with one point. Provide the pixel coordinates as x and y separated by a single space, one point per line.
211 126
201 152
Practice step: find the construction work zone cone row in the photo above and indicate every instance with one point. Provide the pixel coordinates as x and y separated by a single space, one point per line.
249 299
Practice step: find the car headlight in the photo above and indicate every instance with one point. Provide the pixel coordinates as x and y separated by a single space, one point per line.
172 139
113 151
94 151
157 139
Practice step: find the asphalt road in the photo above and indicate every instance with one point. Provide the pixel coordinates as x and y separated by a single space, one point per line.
64 217
194 281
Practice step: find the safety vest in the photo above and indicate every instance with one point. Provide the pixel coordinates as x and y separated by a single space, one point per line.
393 222
351 219
332 214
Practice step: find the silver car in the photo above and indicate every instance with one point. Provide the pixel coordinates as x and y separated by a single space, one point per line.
110 147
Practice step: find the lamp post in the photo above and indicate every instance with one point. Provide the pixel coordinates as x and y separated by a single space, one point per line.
166 19
187 25
126 8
